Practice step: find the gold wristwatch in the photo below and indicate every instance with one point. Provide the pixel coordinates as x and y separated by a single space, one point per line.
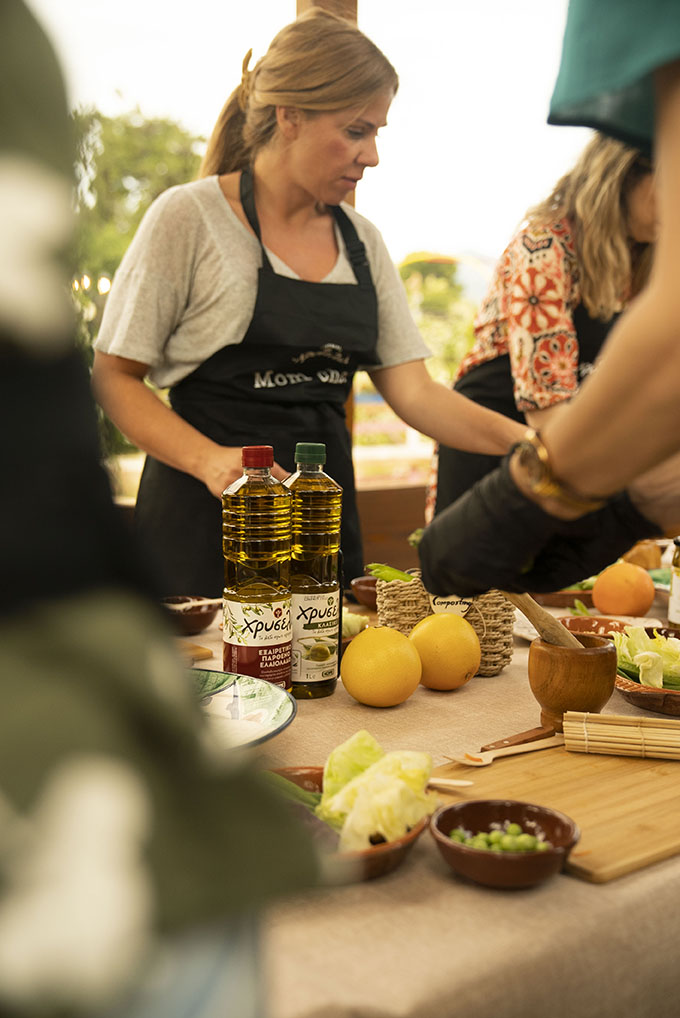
534 462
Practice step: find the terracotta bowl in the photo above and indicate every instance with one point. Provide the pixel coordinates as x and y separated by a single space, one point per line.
600 625
363 588
661 701
190 621
570 678
348 867
504 869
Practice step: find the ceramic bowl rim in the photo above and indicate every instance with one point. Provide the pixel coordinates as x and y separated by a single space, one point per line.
556 850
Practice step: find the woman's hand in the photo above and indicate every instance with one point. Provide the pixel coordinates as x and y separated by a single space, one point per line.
222 466
157 430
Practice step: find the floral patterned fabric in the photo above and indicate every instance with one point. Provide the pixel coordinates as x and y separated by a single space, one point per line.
528 314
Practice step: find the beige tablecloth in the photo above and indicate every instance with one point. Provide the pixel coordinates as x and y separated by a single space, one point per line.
420 943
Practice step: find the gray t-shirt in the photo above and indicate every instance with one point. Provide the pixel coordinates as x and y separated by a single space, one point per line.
186 286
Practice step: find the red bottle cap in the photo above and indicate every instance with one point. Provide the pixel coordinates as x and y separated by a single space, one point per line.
257 456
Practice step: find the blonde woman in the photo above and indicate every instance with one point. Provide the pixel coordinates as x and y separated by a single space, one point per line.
558 288
533 524
254 294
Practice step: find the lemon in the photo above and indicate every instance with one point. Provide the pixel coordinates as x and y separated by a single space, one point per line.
449 650
380 667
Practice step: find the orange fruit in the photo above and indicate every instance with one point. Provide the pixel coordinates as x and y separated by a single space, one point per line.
448 648
380 667
623 589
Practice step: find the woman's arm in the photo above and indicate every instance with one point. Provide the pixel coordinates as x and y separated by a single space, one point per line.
120 389
443 414
538 419
626 418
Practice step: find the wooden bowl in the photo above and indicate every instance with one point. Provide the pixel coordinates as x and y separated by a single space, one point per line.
363 588
349 867
661 701
189 621
504 869
570 678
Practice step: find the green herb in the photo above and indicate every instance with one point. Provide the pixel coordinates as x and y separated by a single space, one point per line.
292 791
586 584
388 573
579 608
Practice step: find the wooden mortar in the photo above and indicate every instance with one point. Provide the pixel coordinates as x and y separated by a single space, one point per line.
568 678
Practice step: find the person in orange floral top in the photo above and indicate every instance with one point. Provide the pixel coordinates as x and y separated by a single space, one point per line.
581 255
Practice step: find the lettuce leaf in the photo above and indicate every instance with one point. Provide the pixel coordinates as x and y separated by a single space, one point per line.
349 759
370 792
643 657
383 806
406 767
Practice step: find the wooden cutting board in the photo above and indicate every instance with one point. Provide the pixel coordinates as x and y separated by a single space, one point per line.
192 652
627 808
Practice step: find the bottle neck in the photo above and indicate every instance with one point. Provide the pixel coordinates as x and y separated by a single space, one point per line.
257 471
309 468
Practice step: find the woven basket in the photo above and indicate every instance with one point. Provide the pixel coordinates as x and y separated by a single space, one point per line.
401 604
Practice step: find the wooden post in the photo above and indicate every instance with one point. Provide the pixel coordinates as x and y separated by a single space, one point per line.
344 9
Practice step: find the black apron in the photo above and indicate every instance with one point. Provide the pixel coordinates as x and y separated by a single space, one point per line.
286 382
491 385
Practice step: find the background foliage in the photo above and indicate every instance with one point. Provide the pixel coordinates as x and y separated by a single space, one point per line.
122 164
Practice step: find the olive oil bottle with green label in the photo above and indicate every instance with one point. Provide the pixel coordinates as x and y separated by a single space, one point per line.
256 543
316 513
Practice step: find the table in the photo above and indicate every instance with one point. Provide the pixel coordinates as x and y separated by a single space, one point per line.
420 943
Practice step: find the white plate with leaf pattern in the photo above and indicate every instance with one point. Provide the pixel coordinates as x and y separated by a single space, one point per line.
242 710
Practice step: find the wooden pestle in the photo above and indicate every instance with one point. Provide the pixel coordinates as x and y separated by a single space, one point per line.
548 627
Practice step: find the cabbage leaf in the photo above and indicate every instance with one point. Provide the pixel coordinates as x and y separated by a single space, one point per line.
371 794
349 759
643 657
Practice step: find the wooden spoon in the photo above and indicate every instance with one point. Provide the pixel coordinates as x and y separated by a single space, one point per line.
548 627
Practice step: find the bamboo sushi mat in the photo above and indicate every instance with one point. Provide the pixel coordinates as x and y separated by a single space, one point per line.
621 735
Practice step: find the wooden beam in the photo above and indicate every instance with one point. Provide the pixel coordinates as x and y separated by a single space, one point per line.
343 8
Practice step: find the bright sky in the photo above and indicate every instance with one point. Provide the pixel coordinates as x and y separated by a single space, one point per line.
467 148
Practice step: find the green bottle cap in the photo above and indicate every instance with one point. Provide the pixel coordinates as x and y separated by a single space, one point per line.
310 452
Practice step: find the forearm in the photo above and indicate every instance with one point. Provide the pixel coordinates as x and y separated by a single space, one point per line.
443 414
626 418
151 425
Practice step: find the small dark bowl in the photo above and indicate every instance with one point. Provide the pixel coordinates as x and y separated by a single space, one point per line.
363 588
348 867
190 621
504 869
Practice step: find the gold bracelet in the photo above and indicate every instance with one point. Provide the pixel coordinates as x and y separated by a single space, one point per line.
533 459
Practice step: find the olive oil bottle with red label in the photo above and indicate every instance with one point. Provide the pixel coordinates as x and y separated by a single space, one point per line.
315 580
256 543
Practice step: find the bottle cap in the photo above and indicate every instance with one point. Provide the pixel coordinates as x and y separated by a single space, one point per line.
310 452
257 456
